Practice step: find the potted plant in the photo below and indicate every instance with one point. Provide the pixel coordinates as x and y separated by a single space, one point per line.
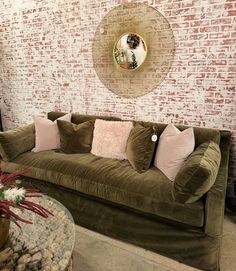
12 196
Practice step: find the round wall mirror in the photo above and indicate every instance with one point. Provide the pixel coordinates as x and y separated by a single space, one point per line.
130 51
133 49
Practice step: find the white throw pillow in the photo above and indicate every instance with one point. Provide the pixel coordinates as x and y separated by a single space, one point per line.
110 138
173 149
47 134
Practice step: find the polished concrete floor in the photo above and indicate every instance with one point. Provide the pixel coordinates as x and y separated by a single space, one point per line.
96 252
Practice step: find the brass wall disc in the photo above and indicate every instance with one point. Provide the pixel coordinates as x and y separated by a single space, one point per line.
154 28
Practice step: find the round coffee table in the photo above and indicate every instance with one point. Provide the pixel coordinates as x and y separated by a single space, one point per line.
45 245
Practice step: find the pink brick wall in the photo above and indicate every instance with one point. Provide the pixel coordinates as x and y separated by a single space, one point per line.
46 64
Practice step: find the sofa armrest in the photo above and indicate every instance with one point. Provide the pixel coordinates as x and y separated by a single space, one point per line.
16 141
215 198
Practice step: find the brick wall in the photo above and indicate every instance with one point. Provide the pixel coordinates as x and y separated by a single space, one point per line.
46 64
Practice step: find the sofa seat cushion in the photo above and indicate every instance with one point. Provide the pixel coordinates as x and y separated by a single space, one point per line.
111 180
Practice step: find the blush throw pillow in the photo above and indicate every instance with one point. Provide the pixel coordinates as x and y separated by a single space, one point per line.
173 149
47 134
110 138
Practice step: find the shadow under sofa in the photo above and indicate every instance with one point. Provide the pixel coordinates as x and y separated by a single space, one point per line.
110 197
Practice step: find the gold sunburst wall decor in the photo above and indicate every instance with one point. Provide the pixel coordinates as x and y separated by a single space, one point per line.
133 49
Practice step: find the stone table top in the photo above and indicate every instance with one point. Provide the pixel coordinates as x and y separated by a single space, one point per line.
45 245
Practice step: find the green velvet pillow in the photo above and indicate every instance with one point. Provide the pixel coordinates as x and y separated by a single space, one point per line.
75 138
198 173
16 141
140 147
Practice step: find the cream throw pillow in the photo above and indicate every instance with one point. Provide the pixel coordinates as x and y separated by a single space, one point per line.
47 134
110 138
173 149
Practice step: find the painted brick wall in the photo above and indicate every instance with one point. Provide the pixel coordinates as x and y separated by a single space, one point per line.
46 64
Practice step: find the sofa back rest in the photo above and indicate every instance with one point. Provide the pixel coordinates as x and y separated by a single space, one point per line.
201 134
79 118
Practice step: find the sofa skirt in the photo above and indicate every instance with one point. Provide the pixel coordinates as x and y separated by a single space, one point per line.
186 244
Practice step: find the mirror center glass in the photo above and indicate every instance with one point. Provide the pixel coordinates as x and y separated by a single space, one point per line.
130 51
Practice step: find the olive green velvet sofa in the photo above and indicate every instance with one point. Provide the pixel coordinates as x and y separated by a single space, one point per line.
110 197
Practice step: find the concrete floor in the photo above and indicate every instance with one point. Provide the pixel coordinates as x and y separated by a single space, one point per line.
96 252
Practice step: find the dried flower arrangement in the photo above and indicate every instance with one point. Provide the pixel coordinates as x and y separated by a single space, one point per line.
13 196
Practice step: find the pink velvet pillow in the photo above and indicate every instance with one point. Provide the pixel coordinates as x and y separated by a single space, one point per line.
47 134
173 149
110 138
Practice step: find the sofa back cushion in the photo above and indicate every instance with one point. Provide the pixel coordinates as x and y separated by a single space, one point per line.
75 138
110 138
140 147
16 141
79 118
198 173
201 134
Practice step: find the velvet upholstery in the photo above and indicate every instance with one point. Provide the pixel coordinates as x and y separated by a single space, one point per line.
140 147
184 243
79 118
113 180
198 173
75 138
215 197
125 215
16 141
201 134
